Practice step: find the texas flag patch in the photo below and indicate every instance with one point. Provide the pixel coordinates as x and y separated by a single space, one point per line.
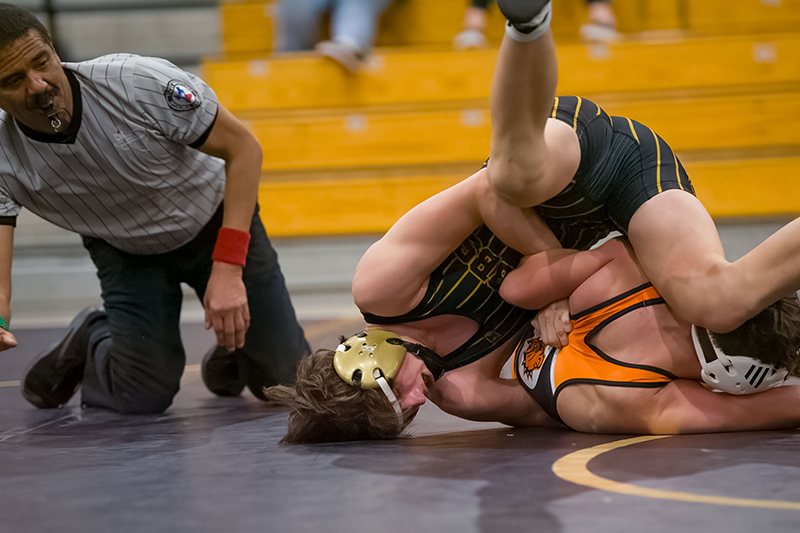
181 97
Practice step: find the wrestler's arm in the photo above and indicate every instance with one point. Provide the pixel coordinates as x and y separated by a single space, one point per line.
686 406
392 275
497 400
476 392
225 299
682 406
557 274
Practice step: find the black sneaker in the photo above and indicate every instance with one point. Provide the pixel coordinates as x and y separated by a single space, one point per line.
53 377
520 13
222 372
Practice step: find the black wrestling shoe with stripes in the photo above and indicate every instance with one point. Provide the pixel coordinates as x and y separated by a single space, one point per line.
223 373
54 376
521 13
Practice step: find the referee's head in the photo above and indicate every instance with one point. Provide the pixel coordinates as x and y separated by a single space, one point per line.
34 87
16 23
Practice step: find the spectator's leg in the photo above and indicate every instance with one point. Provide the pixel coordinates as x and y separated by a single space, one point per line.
474 27
135 356
354 23
601 12
299 23
601 24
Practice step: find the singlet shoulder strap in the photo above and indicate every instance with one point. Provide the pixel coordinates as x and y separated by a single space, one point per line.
612 301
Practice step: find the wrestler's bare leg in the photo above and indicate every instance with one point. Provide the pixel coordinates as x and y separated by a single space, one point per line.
679 249
532 157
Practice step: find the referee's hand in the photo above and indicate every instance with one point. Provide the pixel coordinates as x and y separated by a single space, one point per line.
225 303
7 340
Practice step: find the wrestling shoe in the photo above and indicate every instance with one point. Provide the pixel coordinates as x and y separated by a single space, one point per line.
525 15
222 372
53 377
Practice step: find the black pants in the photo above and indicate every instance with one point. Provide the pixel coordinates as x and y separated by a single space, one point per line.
136 357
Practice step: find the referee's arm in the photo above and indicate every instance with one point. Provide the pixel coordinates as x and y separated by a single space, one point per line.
7 339
225 300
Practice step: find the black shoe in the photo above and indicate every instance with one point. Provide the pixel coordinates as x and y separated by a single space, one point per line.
222 372
53 377
521 12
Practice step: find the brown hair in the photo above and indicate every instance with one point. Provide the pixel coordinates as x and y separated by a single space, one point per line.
325 408
16 23
772 336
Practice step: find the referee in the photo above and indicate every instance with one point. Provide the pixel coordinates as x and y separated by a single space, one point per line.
161 181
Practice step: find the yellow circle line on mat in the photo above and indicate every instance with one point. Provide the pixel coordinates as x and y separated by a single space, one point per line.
573 467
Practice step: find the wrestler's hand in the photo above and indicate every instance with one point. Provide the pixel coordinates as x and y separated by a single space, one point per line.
553 324
7 340
225 303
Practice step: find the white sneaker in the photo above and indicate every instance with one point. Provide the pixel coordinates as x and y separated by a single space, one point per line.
470 39
347 56
599 32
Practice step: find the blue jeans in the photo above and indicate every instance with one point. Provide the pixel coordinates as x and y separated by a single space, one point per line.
136 357
353 22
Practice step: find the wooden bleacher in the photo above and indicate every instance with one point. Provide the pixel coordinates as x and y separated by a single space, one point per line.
719 82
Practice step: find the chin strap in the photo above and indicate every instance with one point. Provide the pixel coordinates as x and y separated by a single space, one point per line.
431 359
387 390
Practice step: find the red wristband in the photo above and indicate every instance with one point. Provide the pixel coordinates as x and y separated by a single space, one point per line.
231 246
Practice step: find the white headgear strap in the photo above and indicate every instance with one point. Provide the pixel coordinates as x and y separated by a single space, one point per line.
736 374
387 390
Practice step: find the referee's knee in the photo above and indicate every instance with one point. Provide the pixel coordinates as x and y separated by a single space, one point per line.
145 403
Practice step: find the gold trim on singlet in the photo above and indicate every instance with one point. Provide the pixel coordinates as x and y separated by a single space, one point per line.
633 131
555 108
577 111
478 286
677 171
658 163
454 287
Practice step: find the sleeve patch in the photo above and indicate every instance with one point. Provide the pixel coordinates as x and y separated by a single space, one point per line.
181 97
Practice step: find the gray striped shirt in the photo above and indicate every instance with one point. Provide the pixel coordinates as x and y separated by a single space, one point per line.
130 176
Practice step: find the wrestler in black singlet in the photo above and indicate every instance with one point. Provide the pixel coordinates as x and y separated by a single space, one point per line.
623 164
467 283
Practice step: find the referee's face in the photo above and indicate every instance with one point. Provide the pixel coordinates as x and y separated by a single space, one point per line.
33 86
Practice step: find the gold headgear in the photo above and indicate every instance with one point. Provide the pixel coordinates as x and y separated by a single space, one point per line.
358 358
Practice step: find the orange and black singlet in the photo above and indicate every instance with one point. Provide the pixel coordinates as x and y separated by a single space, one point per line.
467 283
545 371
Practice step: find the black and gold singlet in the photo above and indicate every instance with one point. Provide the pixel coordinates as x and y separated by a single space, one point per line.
623 164
467 283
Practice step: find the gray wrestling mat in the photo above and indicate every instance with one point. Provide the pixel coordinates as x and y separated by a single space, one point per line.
214 465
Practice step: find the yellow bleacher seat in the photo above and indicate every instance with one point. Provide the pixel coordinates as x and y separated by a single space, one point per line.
400 76
290 207
721 85
422 137
248 25
742 16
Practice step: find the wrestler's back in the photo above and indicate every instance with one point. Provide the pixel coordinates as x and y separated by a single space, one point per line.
650 335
